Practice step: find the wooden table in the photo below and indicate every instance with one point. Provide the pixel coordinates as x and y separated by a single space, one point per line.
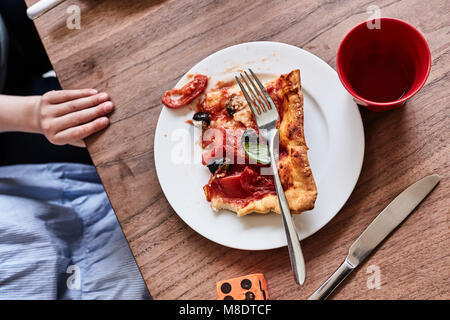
137 49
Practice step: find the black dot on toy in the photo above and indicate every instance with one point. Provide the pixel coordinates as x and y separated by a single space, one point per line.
246 284
249 295
226 287
228 298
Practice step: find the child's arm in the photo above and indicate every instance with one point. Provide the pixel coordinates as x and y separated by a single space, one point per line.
64 117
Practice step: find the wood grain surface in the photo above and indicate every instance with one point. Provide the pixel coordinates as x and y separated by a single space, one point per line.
137 49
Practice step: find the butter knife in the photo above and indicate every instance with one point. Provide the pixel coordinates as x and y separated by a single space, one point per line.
377 231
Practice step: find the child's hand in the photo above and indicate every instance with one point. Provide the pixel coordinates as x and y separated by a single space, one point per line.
69 116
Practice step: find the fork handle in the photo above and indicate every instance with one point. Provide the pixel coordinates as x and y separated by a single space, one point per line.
295 251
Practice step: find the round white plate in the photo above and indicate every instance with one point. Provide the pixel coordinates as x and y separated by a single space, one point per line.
333 130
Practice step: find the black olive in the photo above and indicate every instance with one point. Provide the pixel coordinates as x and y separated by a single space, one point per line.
216 164
203 117
229 106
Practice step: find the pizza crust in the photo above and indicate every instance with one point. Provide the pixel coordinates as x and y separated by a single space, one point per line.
293 167
268 204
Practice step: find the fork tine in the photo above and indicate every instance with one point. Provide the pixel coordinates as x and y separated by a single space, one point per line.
249 100
257 102
265 105
264 91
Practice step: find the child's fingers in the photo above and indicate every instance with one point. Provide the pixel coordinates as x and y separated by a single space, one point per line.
79 143
60 96
80 104
83 116
81 132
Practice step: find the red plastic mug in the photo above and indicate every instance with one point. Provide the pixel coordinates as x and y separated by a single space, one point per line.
384 64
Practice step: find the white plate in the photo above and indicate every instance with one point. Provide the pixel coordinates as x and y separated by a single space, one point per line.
333 130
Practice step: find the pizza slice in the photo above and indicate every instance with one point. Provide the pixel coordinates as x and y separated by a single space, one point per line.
237 184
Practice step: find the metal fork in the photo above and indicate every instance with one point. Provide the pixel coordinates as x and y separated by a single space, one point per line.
266 116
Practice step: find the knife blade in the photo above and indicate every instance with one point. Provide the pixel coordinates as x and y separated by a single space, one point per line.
377 231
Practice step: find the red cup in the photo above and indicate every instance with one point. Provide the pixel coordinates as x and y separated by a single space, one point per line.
383 67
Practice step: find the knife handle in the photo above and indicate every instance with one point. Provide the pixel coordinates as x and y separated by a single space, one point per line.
41 7
336 278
